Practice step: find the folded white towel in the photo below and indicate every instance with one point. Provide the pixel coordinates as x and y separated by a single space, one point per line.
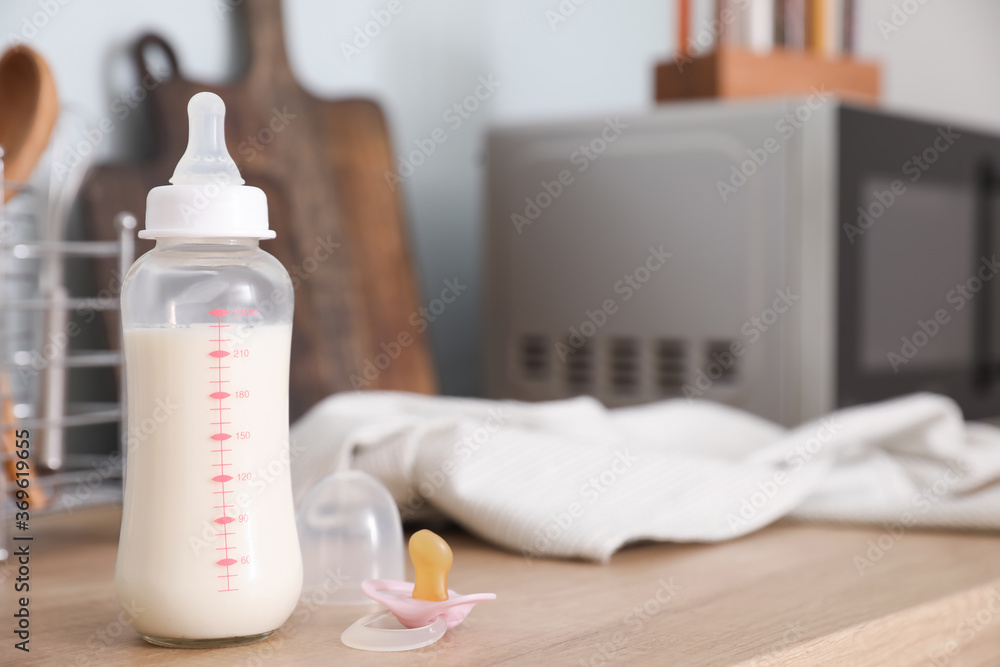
574 479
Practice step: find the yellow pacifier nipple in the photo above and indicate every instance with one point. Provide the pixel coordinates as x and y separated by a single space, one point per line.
432 559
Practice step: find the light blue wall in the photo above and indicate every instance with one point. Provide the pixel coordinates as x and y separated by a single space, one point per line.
432 54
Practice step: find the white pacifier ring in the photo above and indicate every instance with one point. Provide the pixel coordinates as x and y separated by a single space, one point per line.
381 631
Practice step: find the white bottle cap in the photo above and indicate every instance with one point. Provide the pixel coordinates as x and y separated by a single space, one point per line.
207 198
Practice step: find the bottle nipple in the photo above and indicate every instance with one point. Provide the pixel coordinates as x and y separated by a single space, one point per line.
208 198
206 158
432 559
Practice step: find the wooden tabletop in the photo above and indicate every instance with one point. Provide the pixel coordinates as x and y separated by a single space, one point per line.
790 594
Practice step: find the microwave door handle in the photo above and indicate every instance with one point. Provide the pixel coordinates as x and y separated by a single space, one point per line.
983 367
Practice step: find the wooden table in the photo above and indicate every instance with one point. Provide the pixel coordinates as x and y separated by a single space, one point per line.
790 594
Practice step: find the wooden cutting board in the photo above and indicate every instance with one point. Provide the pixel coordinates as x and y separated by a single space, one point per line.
323 166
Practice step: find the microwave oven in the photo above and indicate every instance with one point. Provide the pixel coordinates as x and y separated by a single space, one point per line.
788 257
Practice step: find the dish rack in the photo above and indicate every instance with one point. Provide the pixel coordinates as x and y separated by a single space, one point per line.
37 329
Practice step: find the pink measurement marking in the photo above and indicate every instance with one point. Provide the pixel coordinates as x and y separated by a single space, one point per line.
221 436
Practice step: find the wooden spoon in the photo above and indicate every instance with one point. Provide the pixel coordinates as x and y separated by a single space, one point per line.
28 111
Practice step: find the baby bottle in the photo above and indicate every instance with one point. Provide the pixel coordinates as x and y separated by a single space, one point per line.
208 554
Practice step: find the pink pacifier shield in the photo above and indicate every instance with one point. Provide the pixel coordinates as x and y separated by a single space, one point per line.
396 596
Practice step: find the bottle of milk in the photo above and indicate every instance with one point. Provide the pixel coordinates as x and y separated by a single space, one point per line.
208 549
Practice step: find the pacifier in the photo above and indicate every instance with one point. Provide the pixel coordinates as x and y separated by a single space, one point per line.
419 613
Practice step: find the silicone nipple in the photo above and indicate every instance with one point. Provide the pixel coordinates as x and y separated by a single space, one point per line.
206 159
432 560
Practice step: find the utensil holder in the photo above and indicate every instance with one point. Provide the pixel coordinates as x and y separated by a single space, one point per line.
28 365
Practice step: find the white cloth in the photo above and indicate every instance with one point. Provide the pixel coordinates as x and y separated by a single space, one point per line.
574 479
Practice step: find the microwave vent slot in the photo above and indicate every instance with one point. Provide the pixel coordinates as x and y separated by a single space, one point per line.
535 357
580 368
624 366
670 366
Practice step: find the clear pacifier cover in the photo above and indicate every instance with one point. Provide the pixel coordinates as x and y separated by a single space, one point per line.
349 531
